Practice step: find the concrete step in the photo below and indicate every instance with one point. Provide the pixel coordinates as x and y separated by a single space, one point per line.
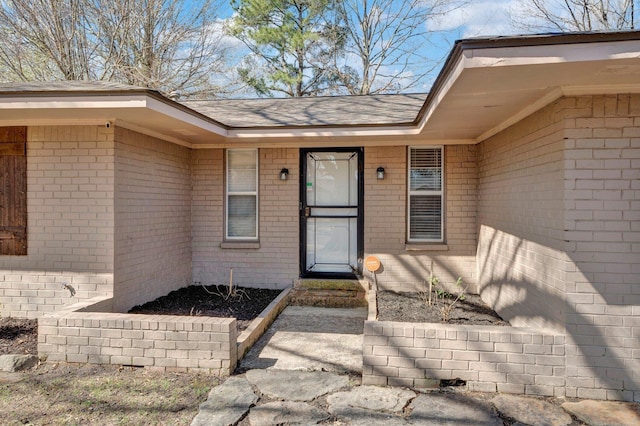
329 293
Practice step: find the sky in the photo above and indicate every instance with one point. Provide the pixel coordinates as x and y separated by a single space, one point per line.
477 18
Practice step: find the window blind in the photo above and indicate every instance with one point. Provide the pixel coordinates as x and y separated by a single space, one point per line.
425 219
242 194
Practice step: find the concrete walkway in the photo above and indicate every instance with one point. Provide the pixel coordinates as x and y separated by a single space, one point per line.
309 338
306 370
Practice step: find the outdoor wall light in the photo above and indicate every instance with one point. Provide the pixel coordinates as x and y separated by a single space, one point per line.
284 174
380 173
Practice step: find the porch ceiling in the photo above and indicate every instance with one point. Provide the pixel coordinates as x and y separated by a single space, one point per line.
485 85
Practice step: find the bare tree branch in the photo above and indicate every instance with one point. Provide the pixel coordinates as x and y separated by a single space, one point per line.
386 39
168 45
576 15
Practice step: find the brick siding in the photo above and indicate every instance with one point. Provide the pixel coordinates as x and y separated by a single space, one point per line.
70 177
558 244
272 262
602 191
152 218
407 267
521 256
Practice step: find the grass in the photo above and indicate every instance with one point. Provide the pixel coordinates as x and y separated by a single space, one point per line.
103 395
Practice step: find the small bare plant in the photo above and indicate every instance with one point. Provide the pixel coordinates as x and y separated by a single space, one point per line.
197 313
436 294
230 291
445 301
427 295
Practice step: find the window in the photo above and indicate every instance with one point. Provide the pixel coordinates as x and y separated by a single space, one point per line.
242 194
425 195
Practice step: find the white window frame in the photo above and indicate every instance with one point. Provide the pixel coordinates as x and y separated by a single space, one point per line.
411 193
229 193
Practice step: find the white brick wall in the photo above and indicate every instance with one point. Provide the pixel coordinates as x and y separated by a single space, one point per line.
520 211
488 358
602 189
166 343
70 175
558 243
385 220
152 218
274 261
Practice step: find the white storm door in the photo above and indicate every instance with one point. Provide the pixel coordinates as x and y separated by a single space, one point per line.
331 212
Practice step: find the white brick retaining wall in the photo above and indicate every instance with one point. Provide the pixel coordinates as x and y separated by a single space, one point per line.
489 358
163 342
88 333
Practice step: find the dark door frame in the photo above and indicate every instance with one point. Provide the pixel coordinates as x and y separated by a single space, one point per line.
303 219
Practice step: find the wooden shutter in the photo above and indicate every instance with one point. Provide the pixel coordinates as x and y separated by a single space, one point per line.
13 190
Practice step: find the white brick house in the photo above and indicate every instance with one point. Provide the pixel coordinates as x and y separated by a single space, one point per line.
519 172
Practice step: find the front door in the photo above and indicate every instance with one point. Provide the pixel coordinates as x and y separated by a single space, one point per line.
331 212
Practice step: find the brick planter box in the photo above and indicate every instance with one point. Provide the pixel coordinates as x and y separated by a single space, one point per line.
489 358
80 334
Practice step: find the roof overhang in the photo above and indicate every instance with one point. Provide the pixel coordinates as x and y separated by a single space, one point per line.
489 84
141 110
485 86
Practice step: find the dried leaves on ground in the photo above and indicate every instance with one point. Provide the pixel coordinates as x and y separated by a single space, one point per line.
18 336
102 395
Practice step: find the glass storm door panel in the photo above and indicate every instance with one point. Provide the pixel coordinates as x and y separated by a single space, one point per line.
331 212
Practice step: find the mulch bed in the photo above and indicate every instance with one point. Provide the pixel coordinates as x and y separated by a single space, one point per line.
411 307
210 301
18 336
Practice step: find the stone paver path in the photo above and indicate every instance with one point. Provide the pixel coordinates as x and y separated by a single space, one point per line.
226 403
275 397
301 372
604 413
531 411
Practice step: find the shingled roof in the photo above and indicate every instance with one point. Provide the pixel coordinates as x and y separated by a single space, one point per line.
67 86
313 111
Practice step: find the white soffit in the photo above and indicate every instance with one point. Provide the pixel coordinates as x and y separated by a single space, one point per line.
489 89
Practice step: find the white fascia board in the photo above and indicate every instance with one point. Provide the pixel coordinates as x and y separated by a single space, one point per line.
324 132
443 89
73 102
552 54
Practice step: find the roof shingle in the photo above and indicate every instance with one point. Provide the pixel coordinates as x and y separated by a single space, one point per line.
313 111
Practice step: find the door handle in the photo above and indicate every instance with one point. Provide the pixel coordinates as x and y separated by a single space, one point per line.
307 211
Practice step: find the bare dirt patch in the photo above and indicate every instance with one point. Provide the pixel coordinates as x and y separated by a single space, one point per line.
410 307
18 336
102 395
210 301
